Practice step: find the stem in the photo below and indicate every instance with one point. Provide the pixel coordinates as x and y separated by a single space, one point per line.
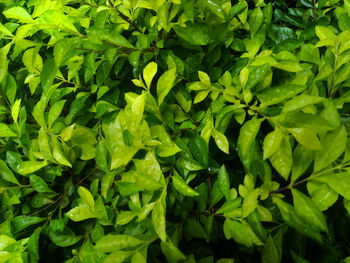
126 19
290 186
315 10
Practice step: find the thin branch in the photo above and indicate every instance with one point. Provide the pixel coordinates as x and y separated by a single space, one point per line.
125 18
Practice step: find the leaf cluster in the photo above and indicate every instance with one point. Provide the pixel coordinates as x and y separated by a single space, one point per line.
174 131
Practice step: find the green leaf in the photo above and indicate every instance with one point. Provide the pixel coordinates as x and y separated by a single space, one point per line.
101 156
309 53
7 174
181 186
255 20
171 252
347 6
111 243
247 136
33 244
38 114
158 217
20 223
87 197
220 140
118 257
125 217
29 167
250 202
229 206
149 72
122 156
204 78
333 145
302 158
216 9
300 102
272 142
165 83
339 182
18 13
282 159
48 73
201 96
307 138
257 74
224 181
80 213
324 33
199 150
269 253
5 241
196 34
55 111
291 217
278 94
65 238
5 131
308 211
3 61
58 153
15 110
242 233
322 195
5 31
39 184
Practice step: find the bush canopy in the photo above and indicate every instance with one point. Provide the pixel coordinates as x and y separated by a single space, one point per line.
174 131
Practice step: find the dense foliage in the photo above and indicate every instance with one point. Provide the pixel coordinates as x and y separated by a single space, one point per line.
174 130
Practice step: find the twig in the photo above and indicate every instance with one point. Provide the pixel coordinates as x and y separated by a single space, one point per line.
315 10
125 18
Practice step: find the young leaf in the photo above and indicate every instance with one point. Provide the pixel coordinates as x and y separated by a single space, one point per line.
18 13
80 213
220 140
247 135
181 186
165 83
272 142
111 243
307 138
149 72
282 159
15 110
87 197
250 202
5 131
29 167
55 111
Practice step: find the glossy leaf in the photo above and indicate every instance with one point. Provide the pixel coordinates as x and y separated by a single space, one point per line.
165 83
7 174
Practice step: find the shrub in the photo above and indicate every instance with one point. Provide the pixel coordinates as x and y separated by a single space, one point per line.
174 130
